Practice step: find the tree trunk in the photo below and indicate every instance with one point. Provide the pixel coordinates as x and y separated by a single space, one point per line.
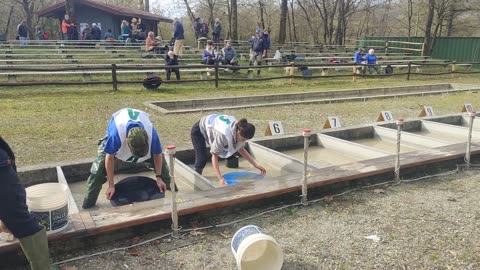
70 10
293 22
428 27
234 20
189 11
409 18
9 20
309 21
451 16
211 19
261 24
147 5
340 19
28 12
283 22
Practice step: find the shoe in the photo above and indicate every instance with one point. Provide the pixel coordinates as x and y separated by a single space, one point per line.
88 203
35 248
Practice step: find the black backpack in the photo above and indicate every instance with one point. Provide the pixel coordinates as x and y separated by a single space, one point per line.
152 82
388 70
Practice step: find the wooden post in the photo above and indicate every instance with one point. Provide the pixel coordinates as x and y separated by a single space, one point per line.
408 72
216 74
453 69
354 69
290 73
386 47
114 77
423 49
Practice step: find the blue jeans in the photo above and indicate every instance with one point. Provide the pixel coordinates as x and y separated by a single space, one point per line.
23 41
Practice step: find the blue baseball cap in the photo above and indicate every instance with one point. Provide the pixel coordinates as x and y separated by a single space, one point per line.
258 31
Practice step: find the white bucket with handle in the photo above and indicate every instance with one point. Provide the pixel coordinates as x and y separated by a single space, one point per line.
255 250
49 204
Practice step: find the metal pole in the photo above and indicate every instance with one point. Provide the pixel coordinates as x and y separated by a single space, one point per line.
399 123
306 142
471 114
171 150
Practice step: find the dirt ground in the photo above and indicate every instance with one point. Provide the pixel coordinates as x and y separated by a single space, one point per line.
429 224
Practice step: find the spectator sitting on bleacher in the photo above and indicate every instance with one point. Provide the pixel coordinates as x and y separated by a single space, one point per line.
229 55
372 60
358 59
151 44
172 60
125 28
209 57
109 36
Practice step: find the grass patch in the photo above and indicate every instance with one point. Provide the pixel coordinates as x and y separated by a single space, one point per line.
53 123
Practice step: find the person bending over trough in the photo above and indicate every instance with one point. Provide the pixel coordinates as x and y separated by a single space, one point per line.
226 136
130 137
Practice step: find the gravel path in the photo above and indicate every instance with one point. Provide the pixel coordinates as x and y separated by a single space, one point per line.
432 224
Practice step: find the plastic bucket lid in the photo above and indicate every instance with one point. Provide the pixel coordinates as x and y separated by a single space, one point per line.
46 196
255 250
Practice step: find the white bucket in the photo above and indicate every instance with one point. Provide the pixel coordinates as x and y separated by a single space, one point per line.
49 204
255 250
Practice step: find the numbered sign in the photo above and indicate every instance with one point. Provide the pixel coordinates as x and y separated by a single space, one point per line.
467 107
426 111
332 122
385 116
274 128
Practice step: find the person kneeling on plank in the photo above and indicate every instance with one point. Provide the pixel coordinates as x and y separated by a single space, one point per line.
15 215
226 136
130 137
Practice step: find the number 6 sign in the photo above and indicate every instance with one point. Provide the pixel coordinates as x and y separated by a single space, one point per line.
274 128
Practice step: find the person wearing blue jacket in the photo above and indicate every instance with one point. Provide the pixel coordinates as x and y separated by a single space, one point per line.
258 50
178 35
372 60
358 59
